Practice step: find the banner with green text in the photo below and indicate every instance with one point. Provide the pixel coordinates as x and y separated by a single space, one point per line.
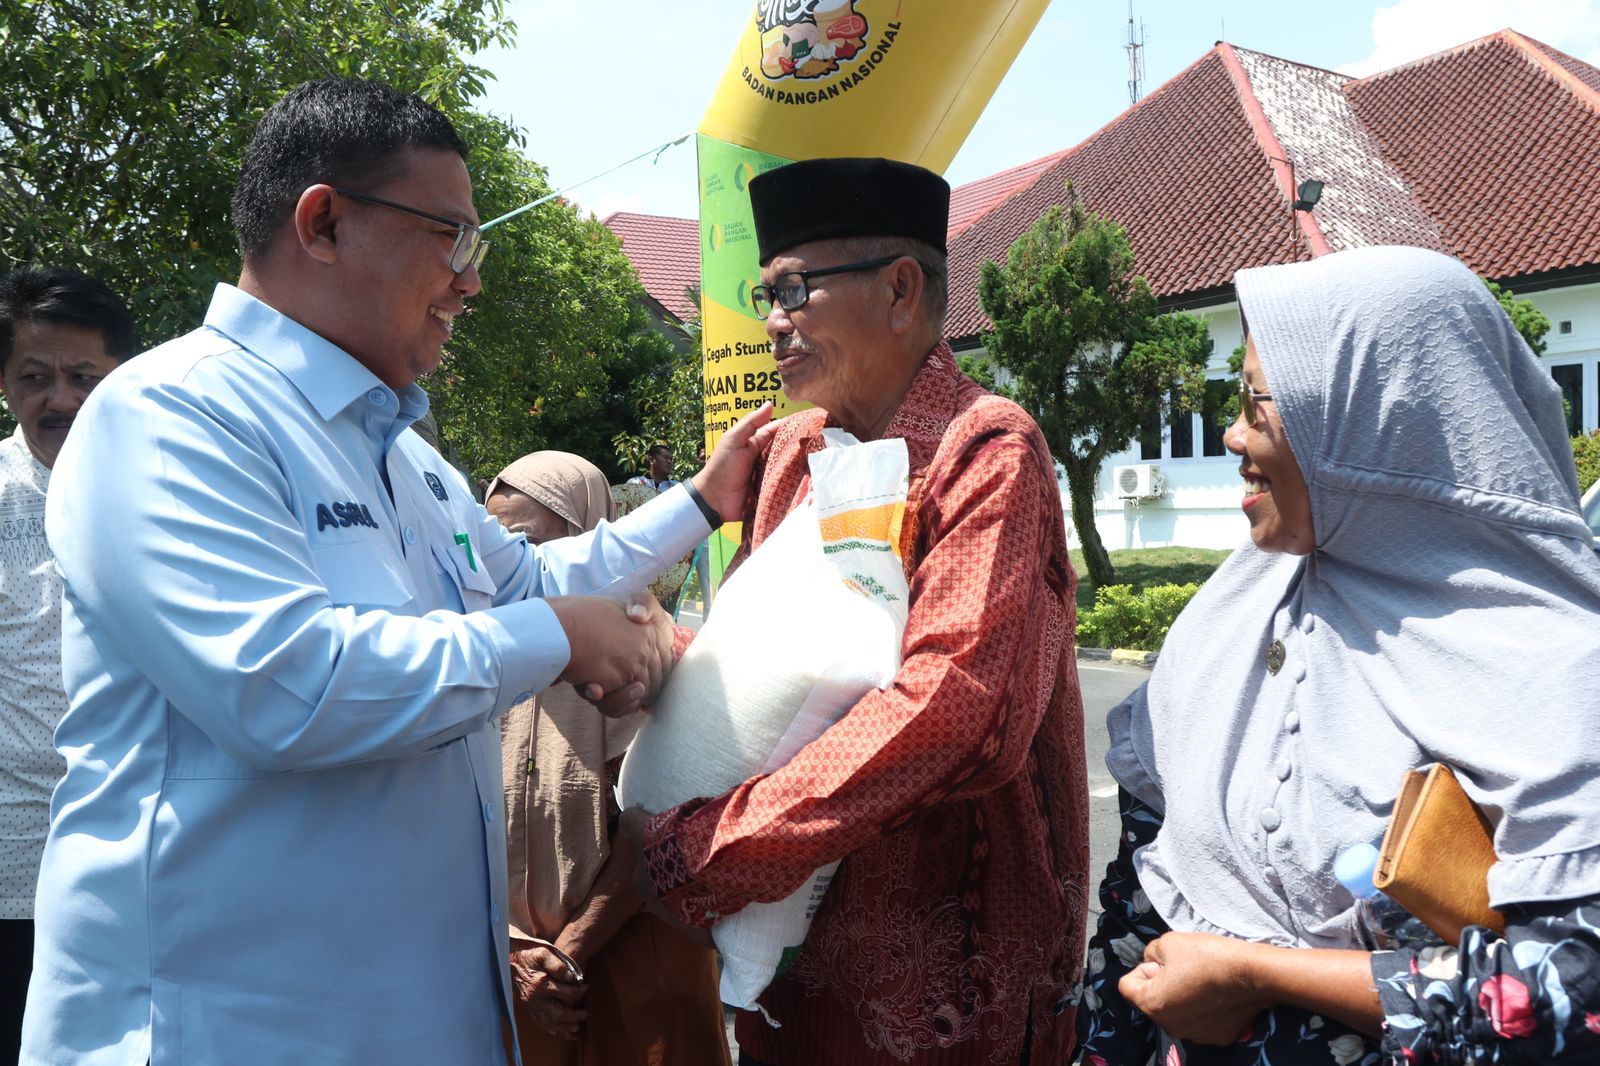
814 78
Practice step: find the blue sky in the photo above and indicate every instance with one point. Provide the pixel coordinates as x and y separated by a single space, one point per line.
594 84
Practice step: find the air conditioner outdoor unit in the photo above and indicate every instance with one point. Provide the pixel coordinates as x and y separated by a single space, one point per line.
1141 481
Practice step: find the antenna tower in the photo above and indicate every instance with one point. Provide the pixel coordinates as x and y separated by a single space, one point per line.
1135 49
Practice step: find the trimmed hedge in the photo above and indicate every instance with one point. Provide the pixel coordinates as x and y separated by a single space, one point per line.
1123 618
1586 453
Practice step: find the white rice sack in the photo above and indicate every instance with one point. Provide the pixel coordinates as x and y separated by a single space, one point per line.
811 622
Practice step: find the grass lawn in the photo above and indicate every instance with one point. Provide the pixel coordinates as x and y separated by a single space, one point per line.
1144 567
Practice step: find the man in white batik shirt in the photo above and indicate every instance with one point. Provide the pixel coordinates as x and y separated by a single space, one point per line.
60 333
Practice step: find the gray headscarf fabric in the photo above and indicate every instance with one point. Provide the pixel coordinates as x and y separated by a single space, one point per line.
1450 612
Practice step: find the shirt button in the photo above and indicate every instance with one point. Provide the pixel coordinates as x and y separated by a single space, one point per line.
488 813
1308 623
1270 820
1291 721
1285 768
1270 874
377 397
409 534
1297 672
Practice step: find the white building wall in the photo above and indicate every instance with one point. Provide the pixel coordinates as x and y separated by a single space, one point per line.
1572 348
1199 505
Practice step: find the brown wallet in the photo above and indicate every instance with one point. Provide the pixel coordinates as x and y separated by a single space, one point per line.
1436 855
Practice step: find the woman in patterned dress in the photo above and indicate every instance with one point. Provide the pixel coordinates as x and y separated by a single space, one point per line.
1419 588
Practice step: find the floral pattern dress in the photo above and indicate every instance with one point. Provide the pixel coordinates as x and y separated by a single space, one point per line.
666 588
1532 996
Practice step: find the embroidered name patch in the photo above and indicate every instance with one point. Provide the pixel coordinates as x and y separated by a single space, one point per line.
436 485
344 514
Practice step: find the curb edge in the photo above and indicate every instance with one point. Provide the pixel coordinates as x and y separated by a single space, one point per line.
1126 656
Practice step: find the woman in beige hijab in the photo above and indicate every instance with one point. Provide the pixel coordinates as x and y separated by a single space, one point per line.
599 982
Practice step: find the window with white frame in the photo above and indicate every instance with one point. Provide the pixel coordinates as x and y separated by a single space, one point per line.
1190 434
1578 377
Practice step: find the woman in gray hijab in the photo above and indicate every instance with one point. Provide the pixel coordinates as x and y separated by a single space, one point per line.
1419 588
599 982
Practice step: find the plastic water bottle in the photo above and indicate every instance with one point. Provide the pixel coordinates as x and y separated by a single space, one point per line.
1386 922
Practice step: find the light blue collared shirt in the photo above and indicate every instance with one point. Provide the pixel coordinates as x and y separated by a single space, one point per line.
288 635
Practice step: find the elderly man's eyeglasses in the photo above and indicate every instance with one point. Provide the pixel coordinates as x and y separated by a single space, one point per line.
1248 399
470 247
791 291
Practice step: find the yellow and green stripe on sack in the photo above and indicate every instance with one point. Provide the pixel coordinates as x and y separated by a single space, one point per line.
870 530
859 491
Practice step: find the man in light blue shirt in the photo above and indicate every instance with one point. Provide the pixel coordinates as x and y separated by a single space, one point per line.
289 632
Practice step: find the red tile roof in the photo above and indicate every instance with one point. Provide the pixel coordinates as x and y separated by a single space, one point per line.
1184 172
1317 131
1499 140
971 201
1490 151
666 253
1578 69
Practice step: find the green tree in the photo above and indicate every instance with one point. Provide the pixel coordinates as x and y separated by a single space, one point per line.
1091 359
670 403
1531 322
1586 456
552 347
124 122
120 139
981 370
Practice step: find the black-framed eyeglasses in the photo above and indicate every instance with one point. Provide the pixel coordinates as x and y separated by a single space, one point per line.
791 291
470 247
1248 398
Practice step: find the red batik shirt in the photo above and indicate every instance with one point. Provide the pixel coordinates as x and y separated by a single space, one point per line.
953 930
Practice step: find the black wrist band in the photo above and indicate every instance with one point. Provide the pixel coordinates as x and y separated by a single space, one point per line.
706 509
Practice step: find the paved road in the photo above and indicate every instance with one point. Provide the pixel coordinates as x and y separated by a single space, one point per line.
1104 686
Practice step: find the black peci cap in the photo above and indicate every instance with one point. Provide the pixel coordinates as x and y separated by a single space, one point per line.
820 199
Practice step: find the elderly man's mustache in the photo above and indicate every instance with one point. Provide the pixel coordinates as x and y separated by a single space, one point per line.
788 344
56 422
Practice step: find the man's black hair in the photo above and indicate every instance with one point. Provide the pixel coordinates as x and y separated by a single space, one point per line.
333 131
657 449
57 294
